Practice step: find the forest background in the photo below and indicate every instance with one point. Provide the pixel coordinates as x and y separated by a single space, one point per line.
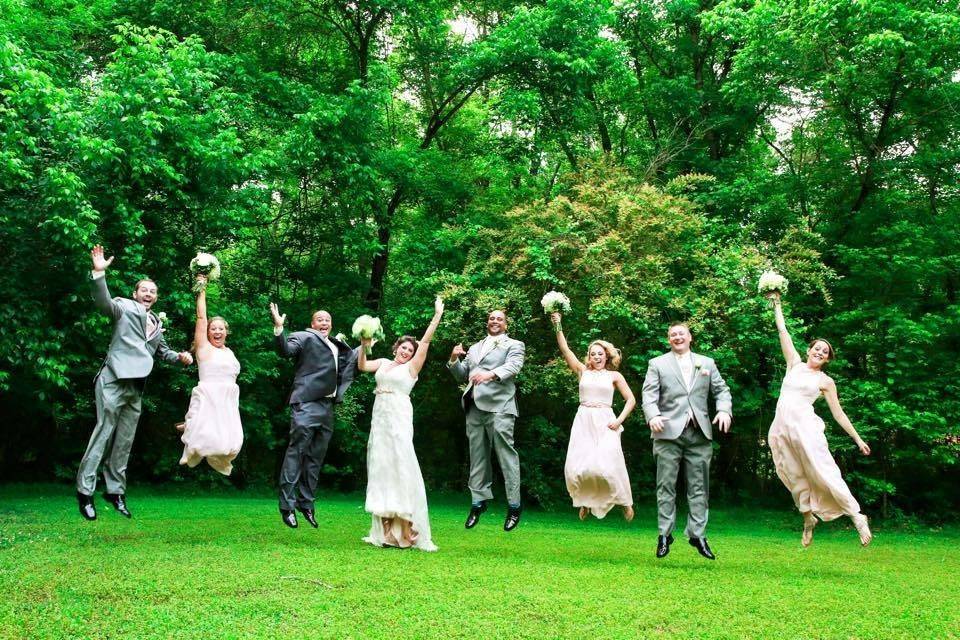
649 158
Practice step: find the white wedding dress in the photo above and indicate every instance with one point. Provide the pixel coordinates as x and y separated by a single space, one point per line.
395 488
212 427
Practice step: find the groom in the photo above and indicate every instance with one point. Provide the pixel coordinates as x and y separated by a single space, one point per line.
491 406
675 393
118 388
325 367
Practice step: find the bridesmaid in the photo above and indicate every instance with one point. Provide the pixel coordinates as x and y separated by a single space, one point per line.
797 440
595 471
212 428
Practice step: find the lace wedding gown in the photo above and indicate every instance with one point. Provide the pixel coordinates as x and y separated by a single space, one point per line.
212 429
595 471
395 488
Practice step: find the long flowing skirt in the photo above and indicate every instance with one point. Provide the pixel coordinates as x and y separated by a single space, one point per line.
212 429
806 466
395 488
595 471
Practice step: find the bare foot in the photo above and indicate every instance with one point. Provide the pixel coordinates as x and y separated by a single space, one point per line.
583 513
180 426
388 536
863 528
628 513
809 522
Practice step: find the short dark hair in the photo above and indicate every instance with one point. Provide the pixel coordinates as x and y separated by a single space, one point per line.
402 339
830 352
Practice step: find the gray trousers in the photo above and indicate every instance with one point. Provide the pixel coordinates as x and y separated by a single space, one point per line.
311 427
486 430
118 411
694 450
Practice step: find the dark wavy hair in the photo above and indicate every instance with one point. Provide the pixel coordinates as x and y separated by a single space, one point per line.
402 339
831 354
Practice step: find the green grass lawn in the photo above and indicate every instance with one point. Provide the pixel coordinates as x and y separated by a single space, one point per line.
223 566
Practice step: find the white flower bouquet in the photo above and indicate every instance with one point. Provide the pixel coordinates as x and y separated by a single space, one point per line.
366 327
205 264
772 282
553 302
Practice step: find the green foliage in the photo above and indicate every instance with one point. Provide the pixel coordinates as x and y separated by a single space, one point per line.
648 159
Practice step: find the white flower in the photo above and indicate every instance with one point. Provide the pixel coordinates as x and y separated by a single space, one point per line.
162 316
205 264
368 327
554 301
341 337
771 281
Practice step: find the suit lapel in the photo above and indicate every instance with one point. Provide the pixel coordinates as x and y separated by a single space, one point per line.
676 370
320 338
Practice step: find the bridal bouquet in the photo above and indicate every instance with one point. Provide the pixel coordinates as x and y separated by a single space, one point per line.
366 327
553 302
205 264
772 282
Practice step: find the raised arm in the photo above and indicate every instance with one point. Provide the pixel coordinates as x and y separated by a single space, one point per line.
200 328
569 356
629 401
829 389
98 275
287 346
459 370
416 363
790 353
363 364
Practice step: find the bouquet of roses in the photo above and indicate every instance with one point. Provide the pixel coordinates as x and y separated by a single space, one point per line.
204 264
366 327
772 282
554 301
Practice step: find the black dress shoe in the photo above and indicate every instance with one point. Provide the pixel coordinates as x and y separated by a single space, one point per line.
289 518
474 516
87 510
512 519
308 515
663 545
116 499
700 544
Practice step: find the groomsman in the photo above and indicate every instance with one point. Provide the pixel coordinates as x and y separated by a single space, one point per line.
118 388
675 393
325 368
491 407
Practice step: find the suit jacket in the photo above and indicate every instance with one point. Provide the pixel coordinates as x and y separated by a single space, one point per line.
131 353
317 376
665 394
504 361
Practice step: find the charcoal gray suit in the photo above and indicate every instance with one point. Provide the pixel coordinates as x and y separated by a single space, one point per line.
319 382
118 387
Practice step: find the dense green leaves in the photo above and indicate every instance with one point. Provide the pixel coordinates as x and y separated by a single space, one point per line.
648 158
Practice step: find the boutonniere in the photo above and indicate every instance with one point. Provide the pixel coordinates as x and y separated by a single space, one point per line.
341 337
497 342
700 366
162 316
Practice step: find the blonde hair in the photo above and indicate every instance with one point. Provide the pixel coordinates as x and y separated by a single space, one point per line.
226 325
614 355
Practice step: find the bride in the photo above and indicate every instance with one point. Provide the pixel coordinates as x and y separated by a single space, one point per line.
396 497
212 428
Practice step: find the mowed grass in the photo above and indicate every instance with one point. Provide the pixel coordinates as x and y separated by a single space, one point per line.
223 566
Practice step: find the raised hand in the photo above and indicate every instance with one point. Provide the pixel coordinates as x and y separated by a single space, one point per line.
278 319
458 351
438 306
99 262
773 297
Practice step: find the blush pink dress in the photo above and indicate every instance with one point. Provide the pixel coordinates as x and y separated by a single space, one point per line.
800 450
595 471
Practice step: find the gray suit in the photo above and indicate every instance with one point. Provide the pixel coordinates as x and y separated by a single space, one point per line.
686 435
118 388
318 384
491 410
